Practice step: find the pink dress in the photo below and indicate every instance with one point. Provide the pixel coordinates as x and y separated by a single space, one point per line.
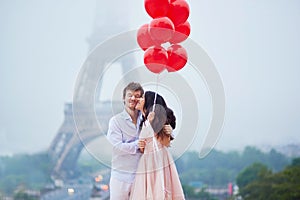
156 176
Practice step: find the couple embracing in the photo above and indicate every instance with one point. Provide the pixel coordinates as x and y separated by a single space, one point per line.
142 166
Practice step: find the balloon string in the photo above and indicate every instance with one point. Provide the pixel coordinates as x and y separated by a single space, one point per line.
156 90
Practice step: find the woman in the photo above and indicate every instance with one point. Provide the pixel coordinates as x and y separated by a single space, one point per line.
156 176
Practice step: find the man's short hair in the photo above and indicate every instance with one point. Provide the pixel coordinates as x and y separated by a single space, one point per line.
134 87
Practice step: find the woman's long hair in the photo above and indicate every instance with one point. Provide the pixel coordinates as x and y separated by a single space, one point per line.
163 114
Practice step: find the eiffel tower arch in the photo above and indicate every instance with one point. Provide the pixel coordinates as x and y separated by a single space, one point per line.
67 146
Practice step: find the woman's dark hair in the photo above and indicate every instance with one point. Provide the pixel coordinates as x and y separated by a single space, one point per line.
171 119
149 97
149 100
169 116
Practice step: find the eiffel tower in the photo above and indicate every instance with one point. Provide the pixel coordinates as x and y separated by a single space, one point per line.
66 146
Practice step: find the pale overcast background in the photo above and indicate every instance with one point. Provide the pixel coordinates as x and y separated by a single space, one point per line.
254 44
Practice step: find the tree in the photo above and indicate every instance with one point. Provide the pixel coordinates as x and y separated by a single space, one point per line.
251 173
22 195
276 160
296 162
257 183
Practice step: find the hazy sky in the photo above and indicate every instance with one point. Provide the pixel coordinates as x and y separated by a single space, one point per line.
254 44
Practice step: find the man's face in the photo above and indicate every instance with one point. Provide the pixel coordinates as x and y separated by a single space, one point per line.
131 99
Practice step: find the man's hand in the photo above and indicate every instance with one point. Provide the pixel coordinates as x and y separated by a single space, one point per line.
141 145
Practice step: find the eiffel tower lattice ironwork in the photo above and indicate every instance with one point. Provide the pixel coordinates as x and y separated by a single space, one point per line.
66 146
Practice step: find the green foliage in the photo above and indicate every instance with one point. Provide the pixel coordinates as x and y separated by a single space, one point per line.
33 171
263 184
251 173
191 193
296 162
89 164
219 168
22 195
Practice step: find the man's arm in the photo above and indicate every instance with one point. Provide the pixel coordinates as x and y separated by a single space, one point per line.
114 136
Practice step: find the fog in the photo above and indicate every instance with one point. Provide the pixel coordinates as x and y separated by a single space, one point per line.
255 46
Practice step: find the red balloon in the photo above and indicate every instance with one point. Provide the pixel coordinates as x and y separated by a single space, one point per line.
161 29
156 59
177 58
182 32
143 37
157 8
179 12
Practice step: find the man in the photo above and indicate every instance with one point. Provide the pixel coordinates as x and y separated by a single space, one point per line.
123 133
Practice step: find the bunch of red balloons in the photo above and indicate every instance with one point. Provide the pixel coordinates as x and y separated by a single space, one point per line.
169 24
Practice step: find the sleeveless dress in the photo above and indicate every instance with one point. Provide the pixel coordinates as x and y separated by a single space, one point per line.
156 177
